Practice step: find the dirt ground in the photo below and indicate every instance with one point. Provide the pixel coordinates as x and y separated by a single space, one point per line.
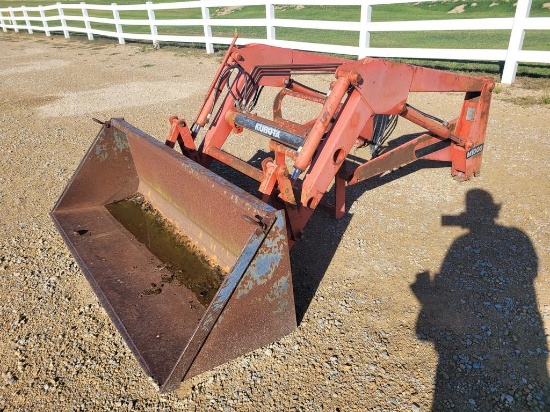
400 307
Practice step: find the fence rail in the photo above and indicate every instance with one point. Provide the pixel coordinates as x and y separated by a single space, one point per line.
43 18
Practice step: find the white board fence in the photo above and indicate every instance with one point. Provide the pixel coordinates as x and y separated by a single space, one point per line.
18 18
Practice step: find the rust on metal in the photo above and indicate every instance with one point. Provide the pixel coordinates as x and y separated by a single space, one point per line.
178 329
167 330
178 254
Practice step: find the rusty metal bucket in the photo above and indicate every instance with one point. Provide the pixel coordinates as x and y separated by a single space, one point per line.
176 329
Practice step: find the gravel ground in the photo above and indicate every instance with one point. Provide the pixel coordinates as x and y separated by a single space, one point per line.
398 311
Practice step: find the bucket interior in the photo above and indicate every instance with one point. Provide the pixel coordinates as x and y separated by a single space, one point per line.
158 237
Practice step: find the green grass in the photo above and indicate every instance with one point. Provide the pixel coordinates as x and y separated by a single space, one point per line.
543 100
397 12
487 39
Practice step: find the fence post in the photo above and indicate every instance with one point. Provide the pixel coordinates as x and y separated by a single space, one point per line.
364 34
44 21
86 21
154 30
13 21
207 29
2 22
269 17
26 17
63 21
118 26
523 9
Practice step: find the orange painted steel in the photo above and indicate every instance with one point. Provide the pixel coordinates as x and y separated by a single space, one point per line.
319 149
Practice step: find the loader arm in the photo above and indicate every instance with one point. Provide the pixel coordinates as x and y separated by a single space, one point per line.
318 149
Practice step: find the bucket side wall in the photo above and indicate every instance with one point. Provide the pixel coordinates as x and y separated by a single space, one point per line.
261 309
106 173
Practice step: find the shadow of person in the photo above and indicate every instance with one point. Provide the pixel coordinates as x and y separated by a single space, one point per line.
480 311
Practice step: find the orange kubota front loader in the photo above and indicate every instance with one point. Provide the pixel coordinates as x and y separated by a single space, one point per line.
193 270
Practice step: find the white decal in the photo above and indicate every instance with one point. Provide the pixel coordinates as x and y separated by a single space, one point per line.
474 150
270 131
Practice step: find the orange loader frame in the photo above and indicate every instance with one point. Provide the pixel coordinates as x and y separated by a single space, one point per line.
364 93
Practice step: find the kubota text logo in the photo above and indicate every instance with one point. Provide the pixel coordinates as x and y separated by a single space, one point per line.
270 131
